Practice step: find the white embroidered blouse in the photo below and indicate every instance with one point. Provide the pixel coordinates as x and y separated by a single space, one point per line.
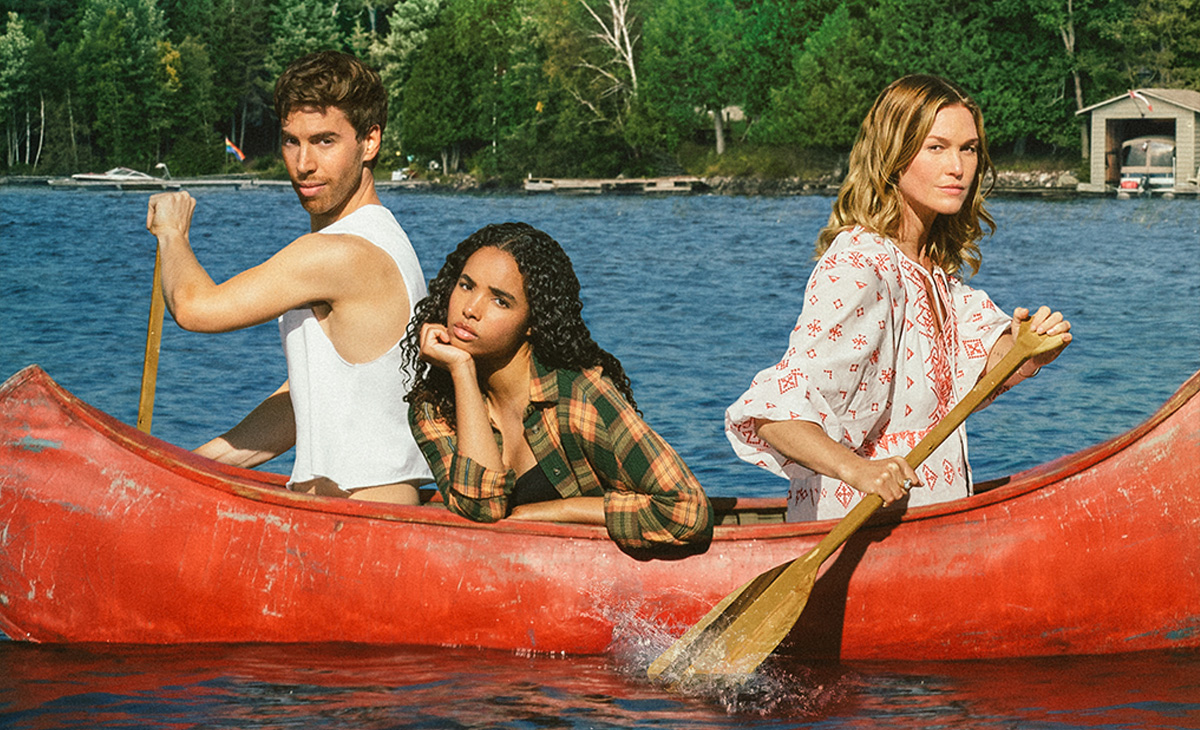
866 363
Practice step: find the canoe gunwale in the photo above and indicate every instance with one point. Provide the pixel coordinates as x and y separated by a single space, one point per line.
269 488
86 495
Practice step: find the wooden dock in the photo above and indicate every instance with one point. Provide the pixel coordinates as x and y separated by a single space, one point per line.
593 186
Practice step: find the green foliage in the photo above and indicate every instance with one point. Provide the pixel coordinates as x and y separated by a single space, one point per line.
1164 37
692 64
239 41
409 24
441 111
191 146
836 78
15 47
769 162
116 62
303 26
510 88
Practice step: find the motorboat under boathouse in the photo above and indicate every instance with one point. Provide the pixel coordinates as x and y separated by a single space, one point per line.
1144 142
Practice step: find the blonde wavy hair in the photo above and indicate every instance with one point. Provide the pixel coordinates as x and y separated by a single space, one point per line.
890 137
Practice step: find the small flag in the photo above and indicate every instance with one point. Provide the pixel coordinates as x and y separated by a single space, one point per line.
1133 94
232 149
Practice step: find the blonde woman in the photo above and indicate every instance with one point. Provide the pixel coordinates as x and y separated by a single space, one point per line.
889 337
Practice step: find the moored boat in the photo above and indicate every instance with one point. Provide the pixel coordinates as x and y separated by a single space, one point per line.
110 535
121 178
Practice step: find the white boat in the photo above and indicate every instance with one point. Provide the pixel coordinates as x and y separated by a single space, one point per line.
1147 166
121 178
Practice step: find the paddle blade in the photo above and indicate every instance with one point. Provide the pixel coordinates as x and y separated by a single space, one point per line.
744 628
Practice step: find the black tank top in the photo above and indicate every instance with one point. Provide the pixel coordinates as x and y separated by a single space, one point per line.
532 486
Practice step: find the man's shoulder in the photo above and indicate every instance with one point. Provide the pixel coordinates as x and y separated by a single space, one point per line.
370 219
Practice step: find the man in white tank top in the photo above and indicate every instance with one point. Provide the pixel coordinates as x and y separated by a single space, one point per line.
343 295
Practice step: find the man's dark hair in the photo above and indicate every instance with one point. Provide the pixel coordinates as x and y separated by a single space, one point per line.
330 78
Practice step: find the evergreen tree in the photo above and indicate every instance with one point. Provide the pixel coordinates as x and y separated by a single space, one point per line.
116 63
693 65
238 44
440 107
836 78
303 26
409 24
190 144
15 85
1162 43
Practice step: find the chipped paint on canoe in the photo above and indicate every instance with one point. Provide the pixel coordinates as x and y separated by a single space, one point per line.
144 542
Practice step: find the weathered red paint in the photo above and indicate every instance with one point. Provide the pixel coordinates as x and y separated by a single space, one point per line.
109 535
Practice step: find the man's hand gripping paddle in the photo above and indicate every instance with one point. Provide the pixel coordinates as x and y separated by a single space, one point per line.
746 626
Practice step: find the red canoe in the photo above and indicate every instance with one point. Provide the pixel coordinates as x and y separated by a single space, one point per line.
109 535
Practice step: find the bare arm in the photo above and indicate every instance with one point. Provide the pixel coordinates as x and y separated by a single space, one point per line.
807 444
268 431
585 510
474 430
313 268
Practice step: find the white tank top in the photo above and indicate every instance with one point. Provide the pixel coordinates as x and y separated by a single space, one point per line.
351 418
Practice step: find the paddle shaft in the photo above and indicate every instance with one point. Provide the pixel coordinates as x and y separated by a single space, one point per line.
153 345
726 640
992 381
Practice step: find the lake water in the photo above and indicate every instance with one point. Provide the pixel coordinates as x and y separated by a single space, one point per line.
694 294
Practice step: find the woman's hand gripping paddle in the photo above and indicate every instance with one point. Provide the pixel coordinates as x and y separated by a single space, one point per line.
746 626
153 343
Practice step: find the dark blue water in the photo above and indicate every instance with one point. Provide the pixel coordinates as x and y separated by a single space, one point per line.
694 295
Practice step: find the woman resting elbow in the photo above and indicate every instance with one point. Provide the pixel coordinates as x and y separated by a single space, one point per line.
522 415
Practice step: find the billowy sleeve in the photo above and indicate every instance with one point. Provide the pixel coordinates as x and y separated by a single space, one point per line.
980 325
651 497
839 367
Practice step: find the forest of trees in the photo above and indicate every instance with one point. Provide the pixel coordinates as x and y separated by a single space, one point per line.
507 88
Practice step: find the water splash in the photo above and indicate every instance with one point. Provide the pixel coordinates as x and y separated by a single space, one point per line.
781 687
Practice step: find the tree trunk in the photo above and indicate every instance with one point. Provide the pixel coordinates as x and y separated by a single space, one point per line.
41 132
1067 32
1083 131
71 128
719 128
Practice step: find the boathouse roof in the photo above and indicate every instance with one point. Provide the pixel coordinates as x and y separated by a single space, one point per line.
1185 98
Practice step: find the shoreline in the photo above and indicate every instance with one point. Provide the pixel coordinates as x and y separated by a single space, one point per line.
1044 184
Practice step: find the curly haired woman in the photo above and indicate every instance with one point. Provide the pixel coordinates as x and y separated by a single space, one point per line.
522 415
889 338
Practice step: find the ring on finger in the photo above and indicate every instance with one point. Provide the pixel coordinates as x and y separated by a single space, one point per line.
907 485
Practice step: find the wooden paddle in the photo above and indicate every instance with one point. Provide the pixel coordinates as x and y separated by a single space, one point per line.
746 626
153 344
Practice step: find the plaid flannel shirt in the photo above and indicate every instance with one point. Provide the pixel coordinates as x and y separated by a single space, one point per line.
589 442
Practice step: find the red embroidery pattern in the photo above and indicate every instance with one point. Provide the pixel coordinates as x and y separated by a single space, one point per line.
974 348
893 341
788 382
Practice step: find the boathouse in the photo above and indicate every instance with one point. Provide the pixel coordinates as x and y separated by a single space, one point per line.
1143 113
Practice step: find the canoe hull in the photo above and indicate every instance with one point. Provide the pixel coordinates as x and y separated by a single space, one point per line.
109 535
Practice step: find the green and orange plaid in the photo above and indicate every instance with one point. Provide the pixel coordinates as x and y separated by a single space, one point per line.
589 442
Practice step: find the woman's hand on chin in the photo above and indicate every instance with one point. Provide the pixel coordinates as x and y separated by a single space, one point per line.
437 350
